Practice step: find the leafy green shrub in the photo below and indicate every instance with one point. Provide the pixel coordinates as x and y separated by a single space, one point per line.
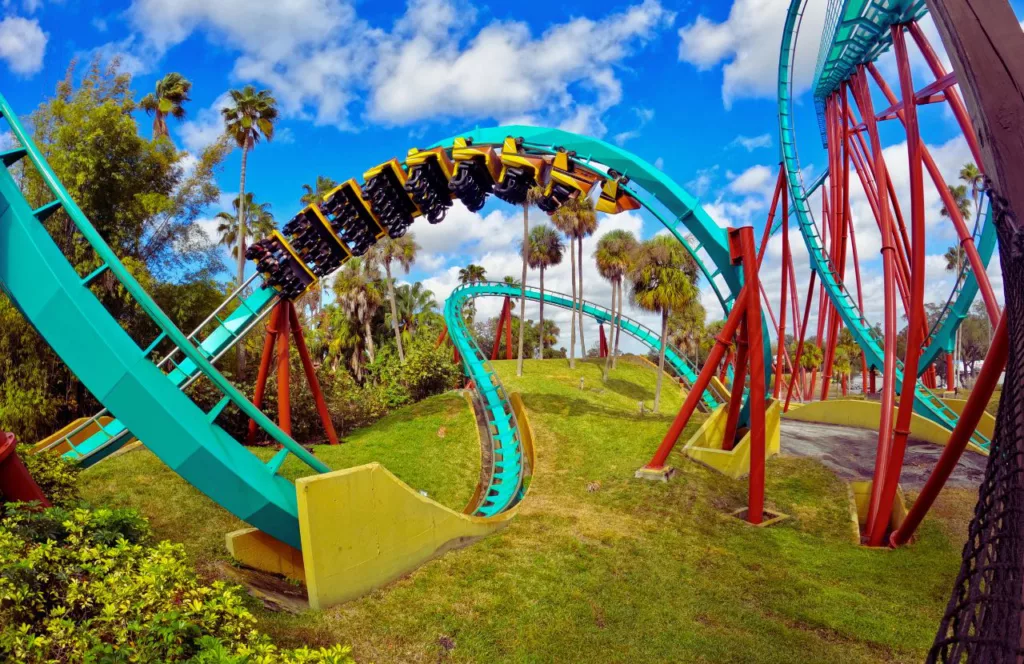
55 475
86 586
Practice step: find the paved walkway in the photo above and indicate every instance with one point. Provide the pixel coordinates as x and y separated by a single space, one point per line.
850 453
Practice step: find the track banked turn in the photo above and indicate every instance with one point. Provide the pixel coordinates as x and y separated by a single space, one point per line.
601 314
859 33
150 403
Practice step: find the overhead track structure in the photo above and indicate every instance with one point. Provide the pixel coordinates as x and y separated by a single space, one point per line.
847 84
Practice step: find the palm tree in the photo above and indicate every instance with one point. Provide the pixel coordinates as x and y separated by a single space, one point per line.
385 252
963 203
416 306
472 274
970 174
261 223
512 281
810 360
168 98
956 257
534 194
613 254
315 193
356 289
249 118
577 219
544 249
662 279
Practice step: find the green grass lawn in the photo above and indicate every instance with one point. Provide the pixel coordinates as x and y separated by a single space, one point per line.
599 566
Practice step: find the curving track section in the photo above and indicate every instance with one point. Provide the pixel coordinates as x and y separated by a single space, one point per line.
601 314
145 395
852 17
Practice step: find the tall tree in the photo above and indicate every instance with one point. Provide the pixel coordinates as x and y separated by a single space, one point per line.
613 255
544 249
249 118
357 292
532 196
261 223
314 193
509 280
970 175
168 98
416 307
577 219
960 198
662 279
472 274
384 253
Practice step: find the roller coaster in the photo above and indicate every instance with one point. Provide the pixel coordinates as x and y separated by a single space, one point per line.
142 385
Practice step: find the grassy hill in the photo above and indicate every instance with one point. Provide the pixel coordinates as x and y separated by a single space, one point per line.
599 566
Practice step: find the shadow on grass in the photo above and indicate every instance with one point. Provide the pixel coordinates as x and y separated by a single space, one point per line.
550 404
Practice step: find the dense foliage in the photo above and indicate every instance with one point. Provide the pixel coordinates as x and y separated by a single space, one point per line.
79 585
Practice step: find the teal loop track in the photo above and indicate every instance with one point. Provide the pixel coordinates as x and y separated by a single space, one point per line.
147 397
856 32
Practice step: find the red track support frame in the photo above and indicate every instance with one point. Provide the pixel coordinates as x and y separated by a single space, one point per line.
504 325
284 324
602 349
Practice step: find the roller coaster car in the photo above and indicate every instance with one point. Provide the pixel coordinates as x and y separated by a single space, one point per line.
476 171
385 189
427 185
614 198
315 242
280 266
519 172
565 180
351 218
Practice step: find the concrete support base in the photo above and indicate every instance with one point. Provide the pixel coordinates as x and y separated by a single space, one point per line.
655 474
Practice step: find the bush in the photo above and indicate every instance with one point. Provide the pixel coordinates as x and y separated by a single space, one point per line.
55 475
80 585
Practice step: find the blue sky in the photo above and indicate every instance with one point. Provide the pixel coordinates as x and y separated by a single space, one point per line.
689 86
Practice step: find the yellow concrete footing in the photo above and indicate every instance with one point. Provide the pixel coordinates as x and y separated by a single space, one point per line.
254 548
363 527
866 415
706 445
770 517
663 474
987 423
860 499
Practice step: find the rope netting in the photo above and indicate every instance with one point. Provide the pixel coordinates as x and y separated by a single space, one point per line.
982 622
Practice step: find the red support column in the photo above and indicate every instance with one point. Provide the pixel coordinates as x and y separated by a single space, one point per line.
508 330
311 379
261 377
602 349
723 374
950 378
995 362
872 389
16 483
755 491
739 373
800 342
284 400
501 328
722 341
891 477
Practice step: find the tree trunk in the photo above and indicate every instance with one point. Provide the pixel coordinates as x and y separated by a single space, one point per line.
394 312
541 312
368 337
661 358
618 322
240 264
579 248
572 327
522 292
611 338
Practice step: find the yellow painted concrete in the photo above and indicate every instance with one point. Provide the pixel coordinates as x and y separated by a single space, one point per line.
254 548
867 415
80 436
525 430
719 388
706 445
363 527
987 423
860 500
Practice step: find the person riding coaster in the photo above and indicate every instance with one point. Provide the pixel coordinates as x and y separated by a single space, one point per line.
476 171
385 190
351 217
519 172
565 181
315 241
614 197
429 174
281 267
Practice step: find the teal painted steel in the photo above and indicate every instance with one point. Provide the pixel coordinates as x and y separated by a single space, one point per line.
638 331
926 403
112 436
46 289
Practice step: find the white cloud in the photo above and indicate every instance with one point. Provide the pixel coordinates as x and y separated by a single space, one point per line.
755 180
22 45
659 163
751 143
701 183
319 55
748 43
644 116
205 128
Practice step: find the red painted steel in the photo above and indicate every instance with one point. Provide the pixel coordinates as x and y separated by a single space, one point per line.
786 260
602 348
261 377
755 491
739 372
800 342
311 379
284 399
16 483
988 377
722 342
